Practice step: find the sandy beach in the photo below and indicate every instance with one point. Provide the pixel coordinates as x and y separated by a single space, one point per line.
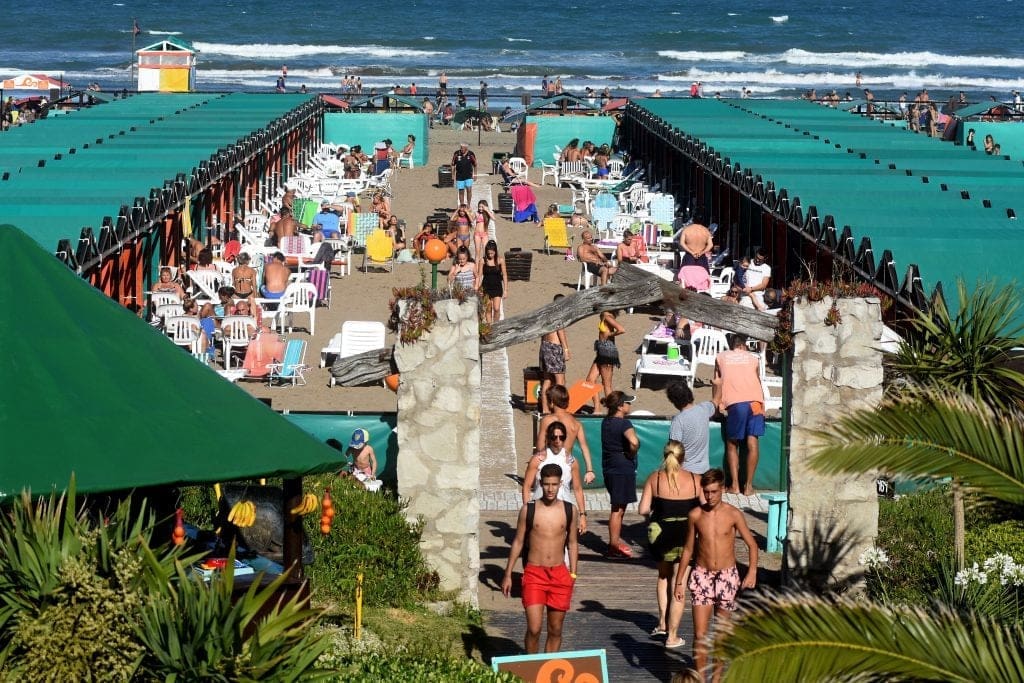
364 296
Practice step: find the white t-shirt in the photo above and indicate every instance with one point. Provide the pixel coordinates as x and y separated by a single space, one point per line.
563 460
756 274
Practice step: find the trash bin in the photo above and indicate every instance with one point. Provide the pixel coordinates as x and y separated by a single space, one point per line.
532 379
505 204
445 177
518 263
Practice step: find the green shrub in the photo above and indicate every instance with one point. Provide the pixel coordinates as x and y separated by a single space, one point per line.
370 534
916 531
1001 537
85 598
199 632
376 667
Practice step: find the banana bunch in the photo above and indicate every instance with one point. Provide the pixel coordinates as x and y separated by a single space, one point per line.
243 514
310 503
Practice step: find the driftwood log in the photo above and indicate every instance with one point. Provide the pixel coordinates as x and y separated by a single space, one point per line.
630 287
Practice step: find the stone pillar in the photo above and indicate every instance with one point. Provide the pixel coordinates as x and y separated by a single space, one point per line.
439 442
836 369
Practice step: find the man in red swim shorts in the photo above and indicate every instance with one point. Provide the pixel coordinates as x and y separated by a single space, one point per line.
545 530
714 581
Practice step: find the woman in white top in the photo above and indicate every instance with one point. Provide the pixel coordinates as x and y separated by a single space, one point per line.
571 480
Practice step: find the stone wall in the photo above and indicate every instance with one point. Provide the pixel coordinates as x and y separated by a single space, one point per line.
439 442
836 369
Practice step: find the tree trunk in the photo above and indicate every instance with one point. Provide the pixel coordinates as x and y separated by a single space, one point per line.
959 532
631 286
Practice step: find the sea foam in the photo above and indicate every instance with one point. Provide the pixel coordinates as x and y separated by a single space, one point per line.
275 51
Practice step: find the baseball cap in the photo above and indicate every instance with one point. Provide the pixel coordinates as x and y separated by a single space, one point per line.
359 438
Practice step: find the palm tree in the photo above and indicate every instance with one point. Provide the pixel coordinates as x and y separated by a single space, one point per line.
968 352
959 417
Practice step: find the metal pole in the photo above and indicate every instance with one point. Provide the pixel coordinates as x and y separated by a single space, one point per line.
433 276
131 76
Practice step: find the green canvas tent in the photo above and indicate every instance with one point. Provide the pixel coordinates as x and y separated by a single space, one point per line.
90 389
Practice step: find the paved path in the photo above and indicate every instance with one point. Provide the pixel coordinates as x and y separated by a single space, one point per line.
614 605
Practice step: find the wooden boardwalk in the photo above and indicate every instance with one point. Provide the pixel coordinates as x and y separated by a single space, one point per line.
614 604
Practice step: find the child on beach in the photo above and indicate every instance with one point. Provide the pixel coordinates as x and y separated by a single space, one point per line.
364 460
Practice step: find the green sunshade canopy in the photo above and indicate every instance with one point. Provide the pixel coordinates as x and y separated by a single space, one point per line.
90 389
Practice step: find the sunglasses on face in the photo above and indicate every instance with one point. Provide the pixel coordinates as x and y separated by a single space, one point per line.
557 437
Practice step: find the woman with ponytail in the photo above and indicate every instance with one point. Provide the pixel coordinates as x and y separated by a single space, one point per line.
669 495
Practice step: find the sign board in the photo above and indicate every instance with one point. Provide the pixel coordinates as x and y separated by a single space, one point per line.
580 666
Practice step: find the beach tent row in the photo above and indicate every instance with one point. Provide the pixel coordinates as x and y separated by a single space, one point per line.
933 209
125 171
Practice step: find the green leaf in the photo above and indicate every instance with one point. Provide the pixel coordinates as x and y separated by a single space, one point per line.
805 638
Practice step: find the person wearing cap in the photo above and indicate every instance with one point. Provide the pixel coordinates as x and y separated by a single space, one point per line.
364 460
619 448
464 165
327 221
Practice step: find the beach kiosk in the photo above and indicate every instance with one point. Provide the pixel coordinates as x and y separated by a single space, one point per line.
167 66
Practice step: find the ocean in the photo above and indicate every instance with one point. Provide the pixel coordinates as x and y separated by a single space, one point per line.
773 49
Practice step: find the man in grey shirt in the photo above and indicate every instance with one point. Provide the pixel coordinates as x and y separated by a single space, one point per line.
690 426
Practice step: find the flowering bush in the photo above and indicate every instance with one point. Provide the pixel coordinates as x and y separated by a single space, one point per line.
999 567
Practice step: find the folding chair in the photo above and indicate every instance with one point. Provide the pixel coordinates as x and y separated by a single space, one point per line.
380 251
292 367
556 235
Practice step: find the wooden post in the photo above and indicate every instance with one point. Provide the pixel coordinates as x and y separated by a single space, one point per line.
292 541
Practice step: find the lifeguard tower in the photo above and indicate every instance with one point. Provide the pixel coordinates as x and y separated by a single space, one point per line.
167 66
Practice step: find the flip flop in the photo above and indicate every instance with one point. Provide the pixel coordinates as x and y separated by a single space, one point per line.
625 550
616 554
673 646
657 631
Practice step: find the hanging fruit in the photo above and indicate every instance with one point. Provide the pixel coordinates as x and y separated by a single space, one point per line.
179 527
327 508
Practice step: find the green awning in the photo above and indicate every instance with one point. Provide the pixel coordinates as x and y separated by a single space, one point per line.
92 390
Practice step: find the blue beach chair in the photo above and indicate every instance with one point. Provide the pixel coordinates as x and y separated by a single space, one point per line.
292 367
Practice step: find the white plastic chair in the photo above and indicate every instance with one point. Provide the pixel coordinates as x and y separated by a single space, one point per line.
298 297
356 336
236 333
165 311
706 345
586 278
186 332
549 171
205 283
405 160
519 165
721 282
159 299
615 167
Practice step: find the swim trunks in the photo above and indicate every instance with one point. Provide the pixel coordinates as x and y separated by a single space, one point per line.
744 419
548 586
464 184
552 358
267 294
718 588
594 268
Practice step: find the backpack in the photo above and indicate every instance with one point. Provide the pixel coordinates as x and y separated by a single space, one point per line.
530 509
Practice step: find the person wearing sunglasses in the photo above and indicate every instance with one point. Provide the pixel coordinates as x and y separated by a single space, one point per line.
571 489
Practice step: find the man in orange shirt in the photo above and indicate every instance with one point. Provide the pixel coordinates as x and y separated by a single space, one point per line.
738 390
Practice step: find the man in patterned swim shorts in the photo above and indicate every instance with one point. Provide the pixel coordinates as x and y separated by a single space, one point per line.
714 580
546 531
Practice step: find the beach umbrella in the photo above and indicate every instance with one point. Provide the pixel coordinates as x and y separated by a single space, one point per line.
474 115
32 82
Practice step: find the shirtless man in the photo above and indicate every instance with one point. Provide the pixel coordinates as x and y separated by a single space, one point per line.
554 352
286 226
558 401
714 581
275 277
547 582
697 243
596 262
288 199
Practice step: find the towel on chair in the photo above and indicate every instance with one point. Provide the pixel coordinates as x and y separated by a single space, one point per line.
696 277
522 196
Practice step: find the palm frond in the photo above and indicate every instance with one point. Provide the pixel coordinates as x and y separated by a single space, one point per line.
931 435
804 638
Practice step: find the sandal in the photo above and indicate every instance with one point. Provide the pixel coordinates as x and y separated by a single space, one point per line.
658 631
620 551
672 646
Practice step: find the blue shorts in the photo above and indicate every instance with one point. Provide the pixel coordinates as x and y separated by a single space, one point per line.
463 184
742 422
602 172
267 294
621 488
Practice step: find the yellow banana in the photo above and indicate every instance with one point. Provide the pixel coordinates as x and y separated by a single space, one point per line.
252 513
233 513
310 503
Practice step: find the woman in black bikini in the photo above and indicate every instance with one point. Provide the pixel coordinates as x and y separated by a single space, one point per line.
243 277
493 278
669 508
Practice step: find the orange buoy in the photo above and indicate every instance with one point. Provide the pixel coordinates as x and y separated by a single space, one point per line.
391 382
435 250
